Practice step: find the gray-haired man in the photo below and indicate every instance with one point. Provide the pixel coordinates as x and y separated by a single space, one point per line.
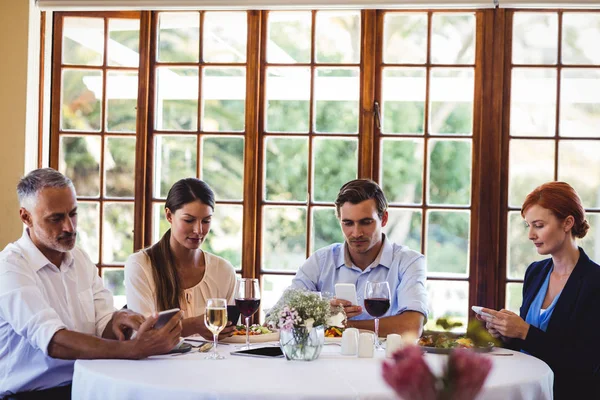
53 306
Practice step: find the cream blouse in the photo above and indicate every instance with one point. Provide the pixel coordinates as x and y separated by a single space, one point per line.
218 281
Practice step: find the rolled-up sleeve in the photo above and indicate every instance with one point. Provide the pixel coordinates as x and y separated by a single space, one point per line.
23 307
411 292
307 276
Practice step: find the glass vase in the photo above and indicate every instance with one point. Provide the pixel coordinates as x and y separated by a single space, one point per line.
299 344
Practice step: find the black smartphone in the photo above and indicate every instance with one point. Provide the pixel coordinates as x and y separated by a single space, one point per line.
267 352
181 348
233 314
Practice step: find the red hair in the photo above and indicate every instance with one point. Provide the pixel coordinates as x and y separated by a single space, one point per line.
562 200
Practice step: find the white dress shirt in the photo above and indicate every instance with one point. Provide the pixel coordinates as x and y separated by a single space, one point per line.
36 300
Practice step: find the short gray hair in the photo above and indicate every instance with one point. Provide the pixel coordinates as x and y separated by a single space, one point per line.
32 183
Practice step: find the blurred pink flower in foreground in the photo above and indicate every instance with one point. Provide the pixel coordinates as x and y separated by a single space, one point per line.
411 378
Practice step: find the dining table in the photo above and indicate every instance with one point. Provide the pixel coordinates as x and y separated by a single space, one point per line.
513 376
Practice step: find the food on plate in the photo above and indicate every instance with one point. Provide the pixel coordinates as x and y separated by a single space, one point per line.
443 341
254 330
334 331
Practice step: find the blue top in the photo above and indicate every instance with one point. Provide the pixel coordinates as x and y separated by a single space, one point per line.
536 316
404 269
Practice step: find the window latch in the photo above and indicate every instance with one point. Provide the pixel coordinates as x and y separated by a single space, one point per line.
377 114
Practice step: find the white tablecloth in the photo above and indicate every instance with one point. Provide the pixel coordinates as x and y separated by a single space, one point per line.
331 376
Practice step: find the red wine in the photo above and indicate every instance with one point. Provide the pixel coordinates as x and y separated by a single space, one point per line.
377 307
249 306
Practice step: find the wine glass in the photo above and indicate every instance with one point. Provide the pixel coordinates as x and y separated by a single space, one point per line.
215 320
247 299
377 302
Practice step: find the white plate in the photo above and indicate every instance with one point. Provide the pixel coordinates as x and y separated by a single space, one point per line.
265 337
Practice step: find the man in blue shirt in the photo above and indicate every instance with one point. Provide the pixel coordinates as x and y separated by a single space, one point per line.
367 255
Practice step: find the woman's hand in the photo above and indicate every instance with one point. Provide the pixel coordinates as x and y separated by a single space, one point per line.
504 323
208 335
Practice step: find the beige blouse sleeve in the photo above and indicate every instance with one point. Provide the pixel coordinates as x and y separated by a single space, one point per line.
139 284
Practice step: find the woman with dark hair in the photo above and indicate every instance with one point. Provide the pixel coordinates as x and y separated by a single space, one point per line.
559 318
175 272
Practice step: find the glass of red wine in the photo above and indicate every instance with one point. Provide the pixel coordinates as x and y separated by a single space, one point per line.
377 302
247 300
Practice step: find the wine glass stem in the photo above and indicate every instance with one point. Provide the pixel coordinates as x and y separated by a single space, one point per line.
376 332
215 344
247 332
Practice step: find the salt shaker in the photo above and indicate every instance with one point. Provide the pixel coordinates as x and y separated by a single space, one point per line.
350 342
366 342
393 343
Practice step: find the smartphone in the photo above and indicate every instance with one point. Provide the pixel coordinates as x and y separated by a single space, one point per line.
477 310
182 347
346 291
164 317
233 314
265 352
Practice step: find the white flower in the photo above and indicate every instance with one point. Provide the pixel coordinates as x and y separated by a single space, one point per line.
336 320
309 324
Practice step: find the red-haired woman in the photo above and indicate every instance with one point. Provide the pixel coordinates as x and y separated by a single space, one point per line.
560 314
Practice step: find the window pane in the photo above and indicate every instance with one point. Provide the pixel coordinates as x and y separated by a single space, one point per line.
447 244
291 156
114 280
81 99
591 242
117 232
284 238
123 42
337 37
535 38
336 100
533 102
514 297
335 163
521 251
450 300
177 99
223 99
289 37
178 36
449 172
404 227
451 98
527 172
159 221
579 164
225 237
175 159
288 98
79 159
403 94
224 37
580 102
223 166
326 228
121 101
119 166
83 41
401 169
580 36
273 287
405 38
453 38
88 228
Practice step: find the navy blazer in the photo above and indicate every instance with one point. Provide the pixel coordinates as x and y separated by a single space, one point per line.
571 343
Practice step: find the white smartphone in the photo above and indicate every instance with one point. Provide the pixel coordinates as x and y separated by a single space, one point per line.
346 291
477 310
164 317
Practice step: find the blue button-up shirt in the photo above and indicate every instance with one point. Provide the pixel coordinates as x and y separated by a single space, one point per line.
404 269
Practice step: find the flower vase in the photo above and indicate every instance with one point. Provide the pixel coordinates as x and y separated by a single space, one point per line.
299 344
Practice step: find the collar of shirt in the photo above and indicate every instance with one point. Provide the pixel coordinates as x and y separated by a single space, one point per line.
384 258
37 259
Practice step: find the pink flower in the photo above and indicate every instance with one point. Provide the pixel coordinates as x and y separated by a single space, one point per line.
409 375
411 378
